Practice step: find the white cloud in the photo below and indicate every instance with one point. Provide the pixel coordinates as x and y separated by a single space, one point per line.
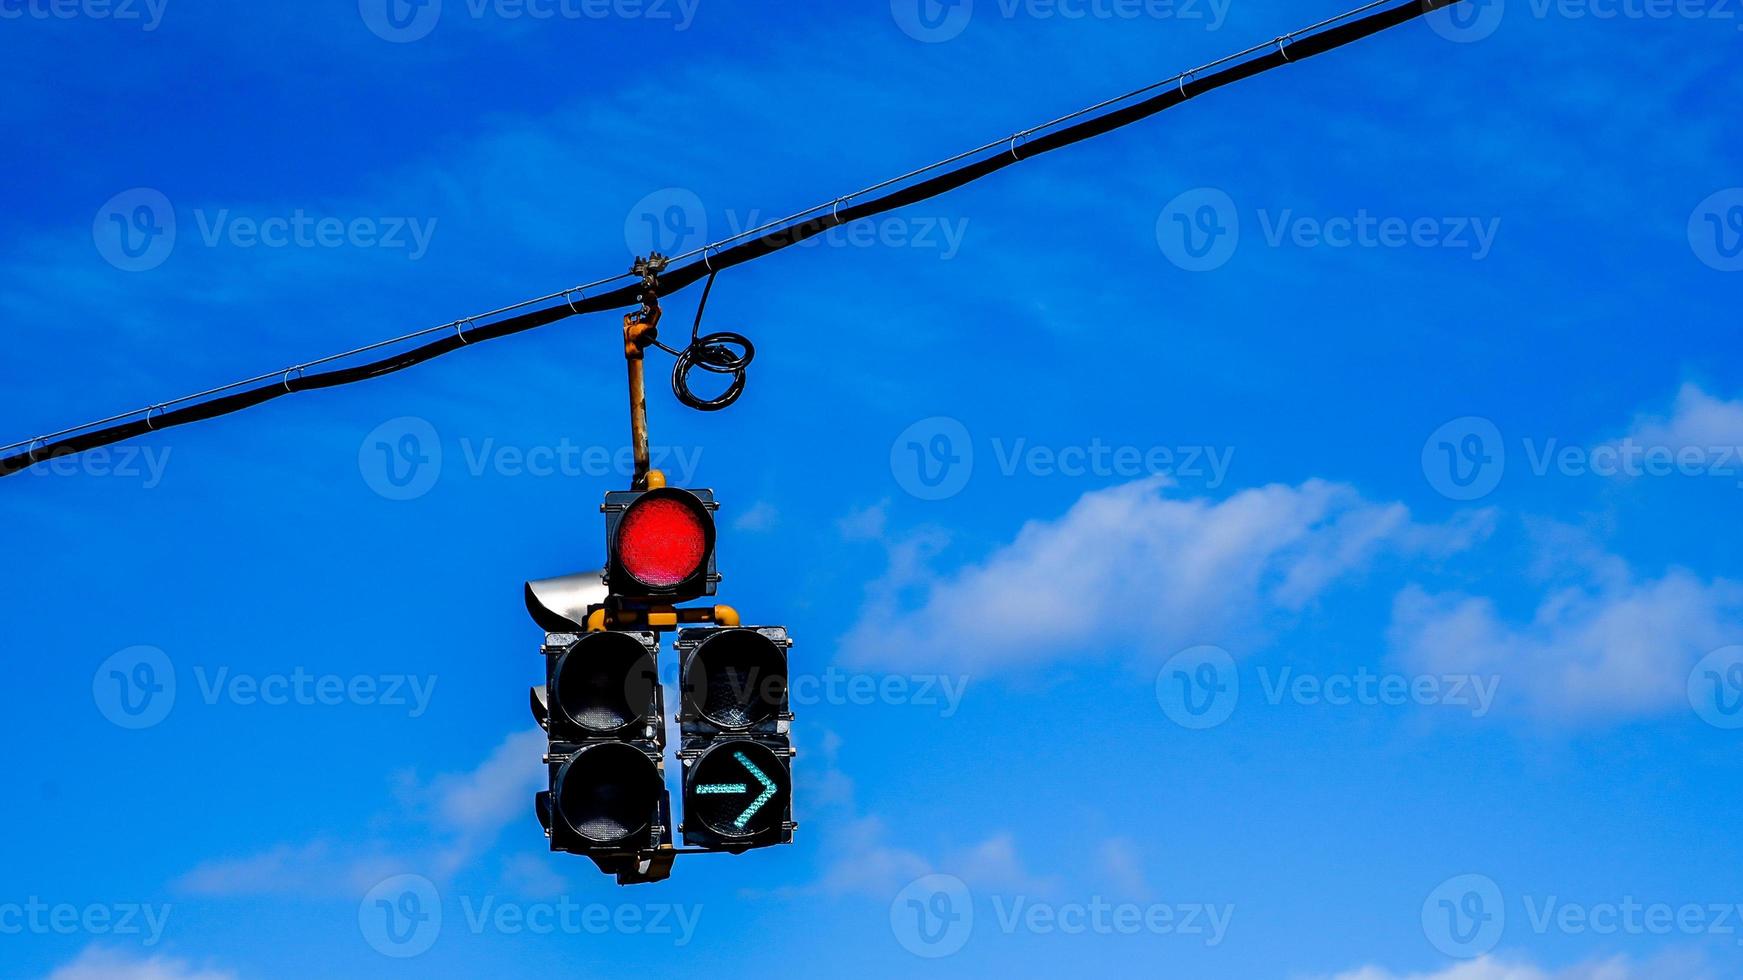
478 804
1170 572
96 963
865 524
1698 421
1491 968
1122 862
760 516
463 813
865 863
1609 645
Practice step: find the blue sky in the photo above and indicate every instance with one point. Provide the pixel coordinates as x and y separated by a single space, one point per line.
1352 593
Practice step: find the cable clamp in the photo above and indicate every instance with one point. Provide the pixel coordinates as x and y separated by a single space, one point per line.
148 411
1283 44
1183 77
30 451
1014 155
570 296
835 212
460 329
285 379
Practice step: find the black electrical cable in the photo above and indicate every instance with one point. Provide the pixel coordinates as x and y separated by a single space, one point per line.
718 357
713 353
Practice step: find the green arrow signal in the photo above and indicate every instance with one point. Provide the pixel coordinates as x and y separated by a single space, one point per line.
767 794
722 788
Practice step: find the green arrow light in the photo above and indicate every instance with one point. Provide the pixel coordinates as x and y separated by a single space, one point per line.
767 794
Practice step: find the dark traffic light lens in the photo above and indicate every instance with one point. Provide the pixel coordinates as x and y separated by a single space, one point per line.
609 792
736 679
664 539
739 789
605 683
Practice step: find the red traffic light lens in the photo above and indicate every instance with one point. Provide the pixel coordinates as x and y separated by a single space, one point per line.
663 541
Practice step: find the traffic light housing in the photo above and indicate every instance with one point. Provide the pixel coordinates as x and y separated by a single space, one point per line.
603 713
660 545
737 753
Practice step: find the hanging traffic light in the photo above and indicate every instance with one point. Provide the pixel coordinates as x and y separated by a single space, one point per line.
602 711
737 753
660 544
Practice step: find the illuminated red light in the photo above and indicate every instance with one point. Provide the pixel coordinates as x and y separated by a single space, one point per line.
662 542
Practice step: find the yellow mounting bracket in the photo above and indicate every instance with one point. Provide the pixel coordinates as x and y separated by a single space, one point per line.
660 618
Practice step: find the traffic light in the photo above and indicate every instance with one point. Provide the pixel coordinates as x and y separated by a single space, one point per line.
602 706
660 544
736 753
603 713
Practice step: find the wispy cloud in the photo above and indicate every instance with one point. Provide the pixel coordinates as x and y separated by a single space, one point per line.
1673 964
98 963
460 817
1609 644
1173 571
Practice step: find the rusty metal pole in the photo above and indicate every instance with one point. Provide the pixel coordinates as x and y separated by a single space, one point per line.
640 329
638 400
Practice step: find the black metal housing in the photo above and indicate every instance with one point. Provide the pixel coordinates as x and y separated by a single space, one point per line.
734 689
602 708
697 832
